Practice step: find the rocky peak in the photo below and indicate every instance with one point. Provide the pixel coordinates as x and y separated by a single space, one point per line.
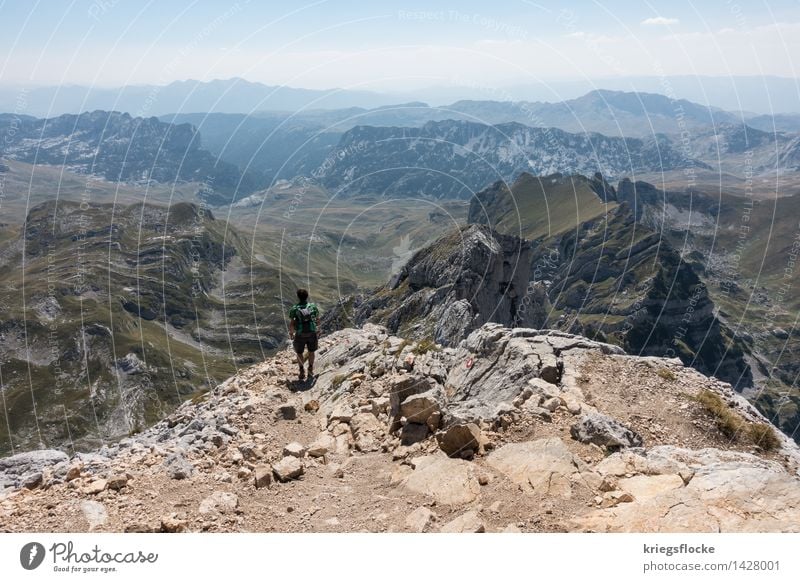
465 278
511 430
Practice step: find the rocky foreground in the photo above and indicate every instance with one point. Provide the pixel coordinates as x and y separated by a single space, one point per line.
513 430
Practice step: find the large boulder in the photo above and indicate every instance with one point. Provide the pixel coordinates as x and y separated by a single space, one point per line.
542 467
26 469
448 481
419 407
460 440
288 468
604 431
469 522
708 490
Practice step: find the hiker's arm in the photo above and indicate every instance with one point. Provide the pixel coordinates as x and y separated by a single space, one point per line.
291 329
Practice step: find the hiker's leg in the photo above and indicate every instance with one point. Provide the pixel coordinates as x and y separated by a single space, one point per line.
310 362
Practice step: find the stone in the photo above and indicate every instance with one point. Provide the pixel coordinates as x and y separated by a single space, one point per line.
95 513
729 491
32 461
74 471
294 449
448 481
604 431
368 431
614 498
341 413
433 422
140 527
418 520
288 468
311 406
551 404
419 407
263 476
541 390
250 451
469 522
544 466
402 386
178 467
459 438
511 528
413 433
117 482
173 524
219 502
343 443
380 405
321 446
32 480
95 487
287 412
574 408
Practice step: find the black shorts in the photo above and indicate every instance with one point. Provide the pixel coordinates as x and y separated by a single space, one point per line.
305 340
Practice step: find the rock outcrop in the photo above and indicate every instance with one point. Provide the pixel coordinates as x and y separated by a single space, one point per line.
464 279
510 430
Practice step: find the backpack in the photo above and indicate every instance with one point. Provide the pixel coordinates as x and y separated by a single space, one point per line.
306 317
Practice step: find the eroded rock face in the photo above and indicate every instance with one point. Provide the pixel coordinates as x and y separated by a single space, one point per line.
709 490
450 288
542 467
448 481
495 364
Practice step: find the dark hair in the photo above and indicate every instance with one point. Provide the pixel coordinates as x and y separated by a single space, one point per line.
302 295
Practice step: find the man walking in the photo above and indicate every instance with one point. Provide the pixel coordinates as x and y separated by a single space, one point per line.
303 331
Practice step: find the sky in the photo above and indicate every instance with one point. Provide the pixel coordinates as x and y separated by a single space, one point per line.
383 45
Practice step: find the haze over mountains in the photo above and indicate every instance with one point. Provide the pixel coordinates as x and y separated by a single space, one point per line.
441 151
344 192
758 95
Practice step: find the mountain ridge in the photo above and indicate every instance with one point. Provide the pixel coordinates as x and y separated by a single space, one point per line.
404 436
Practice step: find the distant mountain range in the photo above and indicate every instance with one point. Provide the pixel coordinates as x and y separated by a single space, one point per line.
228 96
405 150
449 159
118 147
757 94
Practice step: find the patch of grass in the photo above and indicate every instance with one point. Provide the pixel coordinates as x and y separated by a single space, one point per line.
337 381
424 346
403 345
199 397
667 374
764 436
728 422
734 426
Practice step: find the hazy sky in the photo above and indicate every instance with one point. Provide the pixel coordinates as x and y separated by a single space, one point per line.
391 45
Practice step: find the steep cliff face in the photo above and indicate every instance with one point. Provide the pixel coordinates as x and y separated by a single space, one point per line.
620 280
446 159
119 147
464 279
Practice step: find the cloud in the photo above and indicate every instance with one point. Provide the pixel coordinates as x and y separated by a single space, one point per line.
660 21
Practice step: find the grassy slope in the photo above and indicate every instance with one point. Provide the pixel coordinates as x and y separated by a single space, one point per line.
548 206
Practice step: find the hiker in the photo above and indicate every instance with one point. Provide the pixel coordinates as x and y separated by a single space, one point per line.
303 331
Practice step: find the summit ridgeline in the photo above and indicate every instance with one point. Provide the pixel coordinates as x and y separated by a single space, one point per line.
512 429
